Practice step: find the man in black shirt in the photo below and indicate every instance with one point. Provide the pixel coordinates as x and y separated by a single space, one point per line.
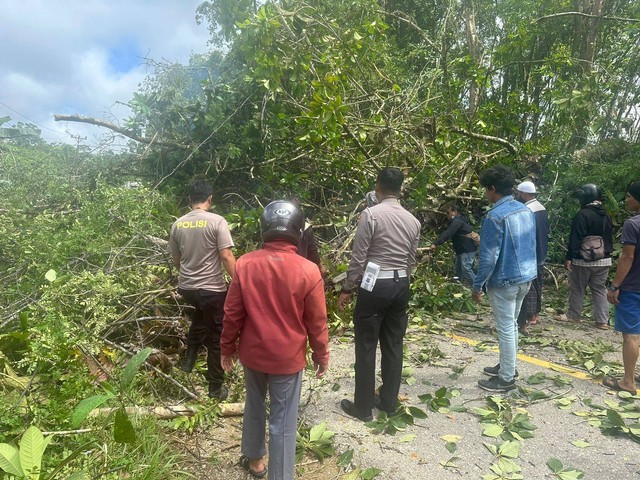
458 231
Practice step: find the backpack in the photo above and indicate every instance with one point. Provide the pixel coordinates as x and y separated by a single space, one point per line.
592 247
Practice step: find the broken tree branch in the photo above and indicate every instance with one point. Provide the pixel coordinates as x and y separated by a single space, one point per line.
117 129
587 15
170 379
488 138
173 411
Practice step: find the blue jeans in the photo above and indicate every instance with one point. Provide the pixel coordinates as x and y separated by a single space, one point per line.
506 303
464 267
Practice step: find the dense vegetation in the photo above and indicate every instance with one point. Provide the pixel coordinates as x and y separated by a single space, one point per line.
293 98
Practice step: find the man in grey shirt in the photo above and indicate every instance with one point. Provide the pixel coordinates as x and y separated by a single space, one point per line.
200 244
387 237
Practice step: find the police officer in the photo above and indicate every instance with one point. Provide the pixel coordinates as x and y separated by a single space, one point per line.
200 244
384 252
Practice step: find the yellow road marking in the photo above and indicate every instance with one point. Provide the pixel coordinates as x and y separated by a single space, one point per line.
536 361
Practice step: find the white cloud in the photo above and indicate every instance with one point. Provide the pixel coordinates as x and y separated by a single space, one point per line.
84 57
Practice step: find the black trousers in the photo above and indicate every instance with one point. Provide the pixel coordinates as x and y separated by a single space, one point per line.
380 315
206 328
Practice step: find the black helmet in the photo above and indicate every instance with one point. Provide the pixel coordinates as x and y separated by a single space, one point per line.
282 220
588 193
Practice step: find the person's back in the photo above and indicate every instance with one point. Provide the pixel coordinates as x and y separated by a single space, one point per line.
275 303
516 262
200 244
394 234
198 236
282 295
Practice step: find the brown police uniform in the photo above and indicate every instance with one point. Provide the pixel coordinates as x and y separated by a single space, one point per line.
388 236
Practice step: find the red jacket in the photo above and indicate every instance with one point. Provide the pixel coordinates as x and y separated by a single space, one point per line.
275 302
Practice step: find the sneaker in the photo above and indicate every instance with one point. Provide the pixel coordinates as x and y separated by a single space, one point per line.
496 384
493 371
350 409
218 392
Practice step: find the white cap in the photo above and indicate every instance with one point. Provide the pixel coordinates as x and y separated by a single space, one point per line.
526 187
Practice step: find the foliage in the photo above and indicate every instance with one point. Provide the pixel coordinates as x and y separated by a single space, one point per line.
123 430
203 417
317 441
26 461
563 473
440 401
505 466
396 422
501 419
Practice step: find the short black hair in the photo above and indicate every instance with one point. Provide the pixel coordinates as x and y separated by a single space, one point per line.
390 180
499 177
453 207
199 191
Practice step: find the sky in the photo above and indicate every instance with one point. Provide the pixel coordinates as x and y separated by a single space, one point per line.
85 56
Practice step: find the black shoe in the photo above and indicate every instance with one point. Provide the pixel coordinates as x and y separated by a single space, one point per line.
350 409
378 404
190 357
218 392
493 371
496 384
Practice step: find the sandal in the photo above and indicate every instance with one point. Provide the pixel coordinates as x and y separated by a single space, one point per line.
602 326
613 384
244 463
564 318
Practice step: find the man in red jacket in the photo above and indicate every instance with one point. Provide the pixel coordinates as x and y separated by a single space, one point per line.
274 304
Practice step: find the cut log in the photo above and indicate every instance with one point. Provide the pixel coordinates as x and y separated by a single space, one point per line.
174 411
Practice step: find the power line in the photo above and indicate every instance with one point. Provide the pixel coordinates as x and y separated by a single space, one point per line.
35 123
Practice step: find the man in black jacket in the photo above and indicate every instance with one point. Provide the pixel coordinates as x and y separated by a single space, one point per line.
464 246
592 219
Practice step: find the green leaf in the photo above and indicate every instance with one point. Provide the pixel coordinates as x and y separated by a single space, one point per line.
407 438
10 460
78 476
370 473
132 367
555 465
51 275
316 432
581 444
451 447
86 406
570 475
32 447
353 475
615 418
492 430
345 458
123 431
417 413
509 449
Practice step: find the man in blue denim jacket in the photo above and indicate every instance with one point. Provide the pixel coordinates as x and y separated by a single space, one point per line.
507 267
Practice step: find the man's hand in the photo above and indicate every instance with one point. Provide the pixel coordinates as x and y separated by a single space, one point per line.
433 246
477 297
612 297
567 265
227 362
343 299
320 369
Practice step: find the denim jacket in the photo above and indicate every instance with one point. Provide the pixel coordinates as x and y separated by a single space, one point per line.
507 246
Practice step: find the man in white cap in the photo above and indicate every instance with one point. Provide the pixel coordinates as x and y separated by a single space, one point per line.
532 305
